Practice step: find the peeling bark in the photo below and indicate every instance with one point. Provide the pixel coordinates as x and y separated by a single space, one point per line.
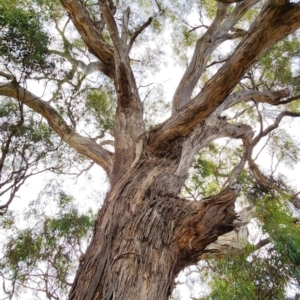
145 234
138 253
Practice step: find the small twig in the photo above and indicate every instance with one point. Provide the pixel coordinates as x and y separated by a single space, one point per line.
139 31
217 62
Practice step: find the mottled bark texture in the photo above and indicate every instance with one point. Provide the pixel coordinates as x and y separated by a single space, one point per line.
145 234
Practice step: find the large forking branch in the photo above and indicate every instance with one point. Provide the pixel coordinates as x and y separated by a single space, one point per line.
129 125
128 96
217 33
82 145
216 126
273 24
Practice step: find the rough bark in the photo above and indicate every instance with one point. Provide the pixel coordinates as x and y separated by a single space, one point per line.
137 253
145 234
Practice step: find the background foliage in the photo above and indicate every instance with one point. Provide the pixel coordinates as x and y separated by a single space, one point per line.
40 49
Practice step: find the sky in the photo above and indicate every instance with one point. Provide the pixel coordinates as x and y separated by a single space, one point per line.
169 77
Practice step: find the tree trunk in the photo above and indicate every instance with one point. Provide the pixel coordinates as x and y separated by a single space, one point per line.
145 234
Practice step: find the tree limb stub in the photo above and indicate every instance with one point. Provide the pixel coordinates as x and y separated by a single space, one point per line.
208 219
232 242
81 144
272 24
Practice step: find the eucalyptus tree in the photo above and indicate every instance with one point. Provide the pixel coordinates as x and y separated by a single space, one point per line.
102 110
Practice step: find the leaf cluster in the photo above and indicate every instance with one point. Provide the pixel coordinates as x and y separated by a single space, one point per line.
283 229
101 104
41 255
24 42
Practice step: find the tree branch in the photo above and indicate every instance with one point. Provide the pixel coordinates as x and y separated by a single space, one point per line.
6 75
213 128
139 31
261 179
216 34
87 69
297 97
240 166
81 144
91 67
272 98
129 125
277 121
272 24
204 47
111 25
15 186
125 22
90 34
258 175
